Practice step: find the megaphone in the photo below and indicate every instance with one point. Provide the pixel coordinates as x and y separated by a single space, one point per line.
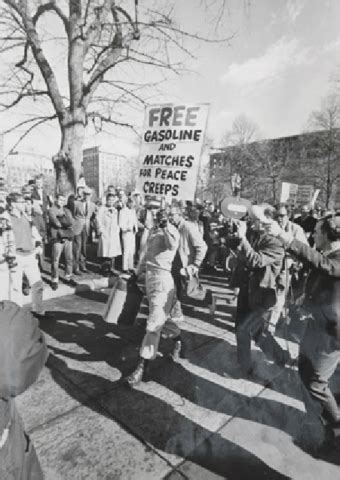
235 208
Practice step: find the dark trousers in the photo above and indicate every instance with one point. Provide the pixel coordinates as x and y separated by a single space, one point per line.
253 325
318 360
79 250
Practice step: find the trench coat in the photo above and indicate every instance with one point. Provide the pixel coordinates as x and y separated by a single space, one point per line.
108 228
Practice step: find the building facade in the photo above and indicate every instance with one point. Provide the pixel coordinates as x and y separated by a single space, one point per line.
310 160
102 168
20 167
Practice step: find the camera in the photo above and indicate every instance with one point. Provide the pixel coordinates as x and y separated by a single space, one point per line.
162 218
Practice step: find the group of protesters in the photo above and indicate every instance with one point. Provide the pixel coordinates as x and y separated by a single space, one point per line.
280 258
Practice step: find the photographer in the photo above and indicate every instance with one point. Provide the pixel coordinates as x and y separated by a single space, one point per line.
61 237
155 265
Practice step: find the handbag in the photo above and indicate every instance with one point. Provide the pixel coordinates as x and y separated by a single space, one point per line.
194 288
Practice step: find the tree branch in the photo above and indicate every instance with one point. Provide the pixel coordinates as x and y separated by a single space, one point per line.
20 7
51 6
38 122
109 119
22 94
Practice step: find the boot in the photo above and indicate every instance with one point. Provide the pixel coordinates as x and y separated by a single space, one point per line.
136 377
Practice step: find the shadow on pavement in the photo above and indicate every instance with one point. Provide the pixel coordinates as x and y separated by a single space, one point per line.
156 423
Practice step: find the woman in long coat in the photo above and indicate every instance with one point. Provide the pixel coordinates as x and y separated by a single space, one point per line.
109 246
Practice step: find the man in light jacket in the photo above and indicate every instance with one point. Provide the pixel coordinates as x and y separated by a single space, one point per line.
155 266
27 239
190 255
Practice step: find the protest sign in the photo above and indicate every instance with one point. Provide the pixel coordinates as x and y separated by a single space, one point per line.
233 207
304 194
171 147
288 192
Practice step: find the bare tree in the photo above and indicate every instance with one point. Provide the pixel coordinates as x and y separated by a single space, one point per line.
102 40
327 119
242 161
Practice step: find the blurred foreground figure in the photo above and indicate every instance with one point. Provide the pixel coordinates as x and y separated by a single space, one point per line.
320 345
23 353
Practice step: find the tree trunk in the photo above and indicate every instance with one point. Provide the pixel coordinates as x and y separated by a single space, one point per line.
68 161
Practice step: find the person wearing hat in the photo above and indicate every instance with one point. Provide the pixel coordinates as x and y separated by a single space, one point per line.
155 266
83 211
259 262
319 354
27 239
23 353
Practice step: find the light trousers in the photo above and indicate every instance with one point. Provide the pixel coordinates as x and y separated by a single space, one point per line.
28 265
129 247
160 292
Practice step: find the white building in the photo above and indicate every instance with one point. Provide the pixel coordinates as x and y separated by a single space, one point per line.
20 167
104 168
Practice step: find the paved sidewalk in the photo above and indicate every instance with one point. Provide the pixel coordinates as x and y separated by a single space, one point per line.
192 420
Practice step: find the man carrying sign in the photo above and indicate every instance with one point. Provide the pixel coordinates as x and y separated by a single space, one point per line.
260 258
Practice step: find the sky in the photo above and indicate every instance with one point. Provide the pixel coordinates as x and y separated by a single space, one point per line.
282 58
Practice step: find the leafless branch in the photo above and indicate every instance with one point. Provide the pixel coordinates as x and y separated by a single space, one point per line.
109 119
38 122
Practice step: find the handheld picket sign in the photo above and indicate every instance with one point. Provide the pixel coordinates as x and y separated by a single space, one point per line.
235 208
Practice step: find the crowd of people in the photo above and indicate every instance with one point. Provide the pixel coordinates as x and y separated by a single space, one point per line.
273 258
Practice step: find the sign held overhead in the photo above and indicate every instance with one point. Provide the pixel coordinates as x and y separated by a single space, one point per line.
171 147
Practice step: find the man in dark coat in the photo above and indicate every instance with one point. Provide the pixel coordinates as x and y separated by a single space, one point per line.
23 353
260 258
320 345
83 211
61 238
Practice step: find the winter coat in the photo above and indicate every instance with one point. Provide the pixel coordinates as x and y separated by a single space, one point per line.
322 290
259 264
108 229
